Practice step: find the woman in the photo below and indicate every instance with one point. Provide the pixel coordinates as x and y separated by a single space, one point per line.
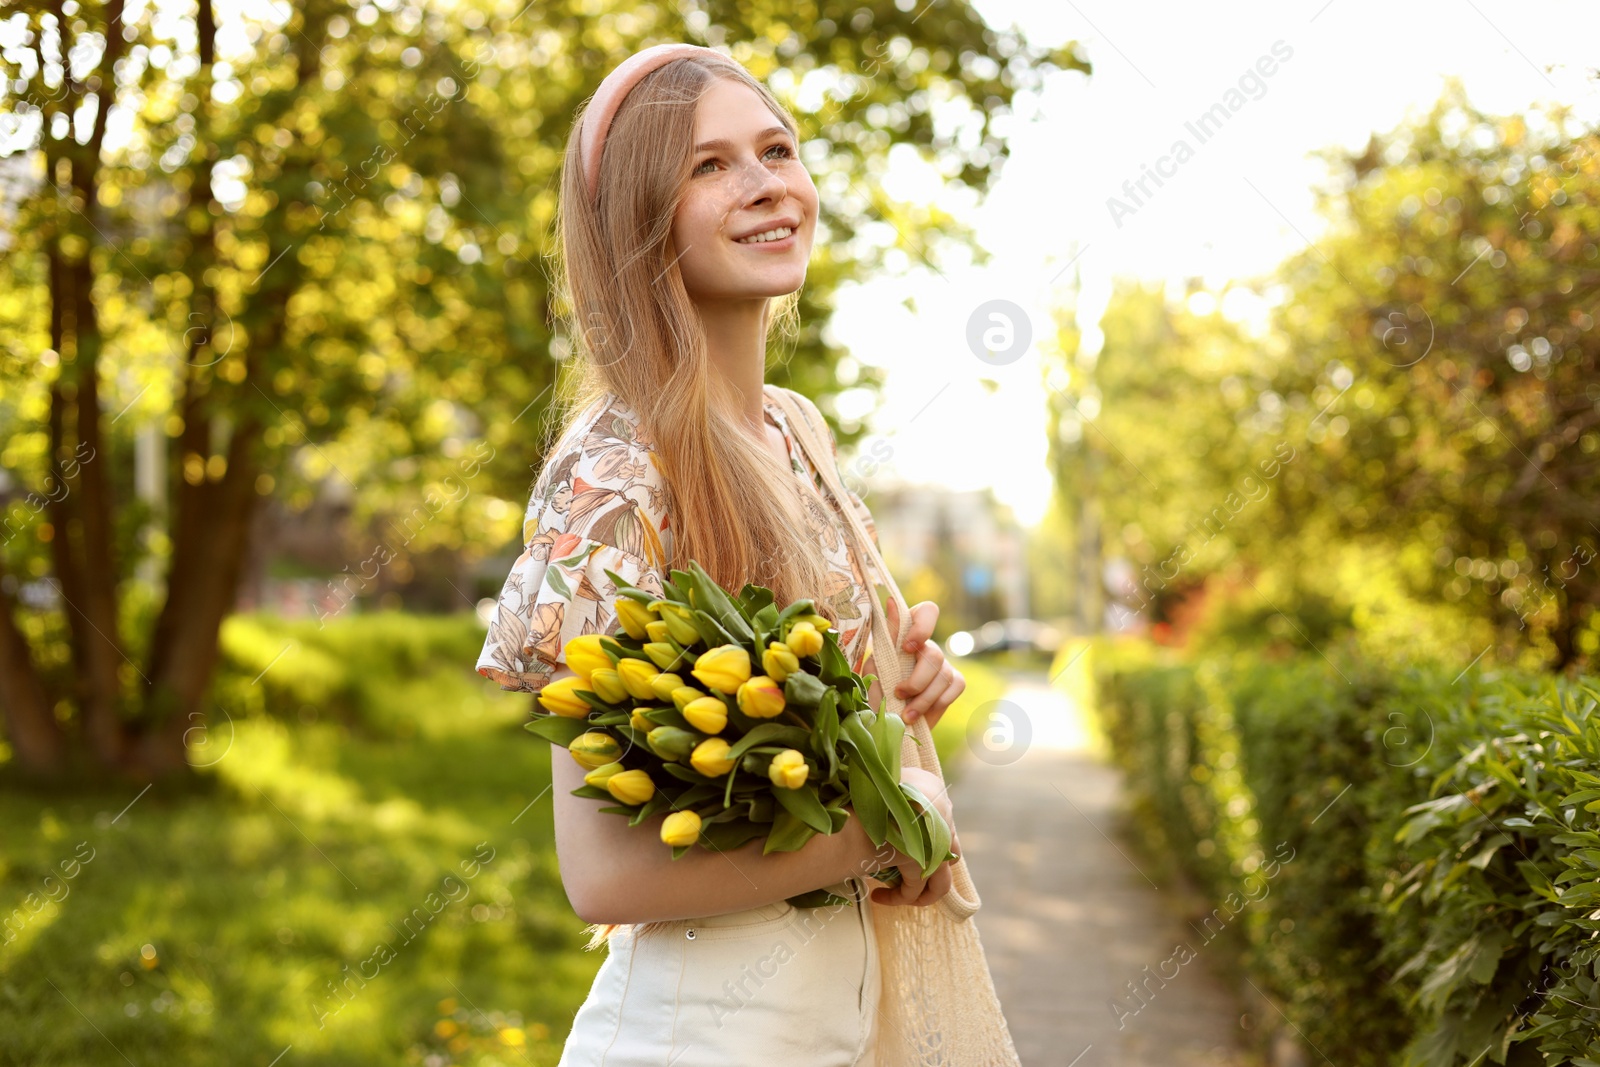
685 212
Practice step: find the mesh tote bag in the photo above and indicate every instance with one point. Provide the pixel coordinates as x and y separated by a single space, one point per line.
937 1006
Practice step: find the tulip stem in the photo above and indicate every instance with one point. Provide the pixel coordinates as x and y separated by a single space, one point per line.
793 715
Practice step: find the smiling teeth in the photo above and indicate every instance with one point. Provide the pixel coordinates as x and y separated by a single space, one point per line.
771 235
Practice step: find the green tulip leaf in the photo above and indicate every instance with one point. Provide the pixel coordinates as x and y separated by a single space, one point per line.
825 734
711 631
720 607
666 717
835 668
615 647
786 736
817 898
657 801
754 600
804 805
803 690
698 794
856 734
727 836
868 802
593 792
799 607
687 774
788 834
557 729
934 829
679 850
886 734
632 592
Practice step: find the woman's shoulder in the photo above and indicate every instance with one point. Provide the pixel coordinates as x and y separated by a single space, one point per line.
804 404
598 508
601 481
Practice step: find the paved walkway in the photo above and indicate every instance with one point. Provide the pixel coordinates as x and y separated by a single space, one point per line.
1068 920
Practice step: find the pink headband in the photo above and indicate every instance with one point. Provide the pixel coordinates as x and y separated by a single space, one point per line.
616 86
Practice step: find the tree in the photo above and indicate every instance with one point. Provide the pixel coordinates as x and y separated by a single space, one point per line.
305 251
1442 343
1423 388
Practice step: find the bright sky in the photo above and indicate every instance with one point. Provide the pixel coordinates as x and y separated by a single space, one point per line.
1352 67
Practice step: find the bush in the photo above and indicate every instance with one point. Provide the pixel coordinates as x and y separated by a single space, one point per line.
1410 855
387 674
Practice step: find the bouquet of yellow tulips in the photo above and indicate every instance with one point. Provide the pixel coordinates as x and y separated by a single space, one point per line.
739 719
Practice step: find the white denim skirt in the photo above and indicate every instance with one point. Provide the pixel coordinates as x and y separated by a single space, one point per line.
776 985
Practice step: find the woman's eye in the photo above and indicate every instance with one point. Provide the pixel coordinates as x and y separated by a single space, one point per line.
787 154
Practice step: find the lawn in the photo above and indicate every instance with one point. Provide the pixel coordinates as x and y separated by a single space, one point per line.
361 871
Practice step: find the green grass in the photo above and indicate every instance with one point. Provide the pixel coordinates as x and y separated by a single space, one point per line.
352 772
984 684
213 920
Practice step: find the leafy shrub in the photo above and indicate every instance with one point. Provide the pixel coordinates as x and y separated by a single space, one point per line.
1439 902
386 674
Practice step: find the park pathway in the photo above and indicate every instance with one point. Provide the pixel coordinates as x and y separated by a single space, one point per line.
1068 920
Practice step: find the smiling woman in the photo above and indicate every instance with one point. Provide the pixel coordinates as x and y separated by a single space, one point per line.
686 221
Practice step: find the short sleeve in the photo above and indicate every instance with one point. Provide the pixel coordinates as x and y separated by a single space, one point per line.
598 506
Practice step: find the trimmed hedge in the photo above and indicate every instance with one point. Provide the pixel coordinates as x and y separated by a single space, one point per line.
1413 854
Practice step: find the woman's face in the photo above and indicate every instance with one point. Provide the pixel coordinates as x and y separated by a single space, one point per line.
746 179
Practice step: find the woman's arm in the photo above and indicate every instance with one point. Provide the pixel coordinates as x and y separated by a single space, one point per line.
616 873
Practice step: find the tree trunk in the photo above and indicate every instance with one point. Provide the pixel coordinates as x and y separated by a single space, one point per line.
80 493
35 737
200 594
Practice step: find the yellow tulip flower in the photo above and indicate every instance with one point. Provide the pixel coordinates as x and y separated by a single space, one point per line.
663 684
634 617
788 769
606 684
595 748
804 639
681 828
710 757
601 774
631 787
679 621
560 697
637 676
761 698
779 661
585 655
707 714
724 668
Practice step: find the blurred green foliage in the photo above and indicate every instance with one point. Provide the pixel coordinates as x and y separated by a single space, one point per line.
300 252
1396 430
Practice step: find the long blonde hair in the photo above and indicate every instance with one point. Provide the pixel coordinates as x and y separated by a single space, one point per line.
635 332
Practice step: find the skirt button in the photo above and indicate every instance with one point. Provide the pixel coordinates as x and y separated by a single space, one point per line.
689 934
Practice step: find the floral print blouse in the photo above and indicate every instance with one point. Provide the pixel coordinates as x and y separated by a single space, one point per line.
600 504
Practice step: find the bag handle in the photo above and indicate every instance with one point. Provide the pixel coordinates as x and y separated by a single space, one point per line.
962 901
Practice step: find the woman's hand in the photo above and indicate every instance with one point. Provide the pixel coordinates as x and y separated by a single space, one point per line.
913 890
933 684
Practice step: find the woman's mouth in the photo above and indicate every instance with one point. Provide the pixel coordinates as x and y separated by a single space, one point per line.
776 239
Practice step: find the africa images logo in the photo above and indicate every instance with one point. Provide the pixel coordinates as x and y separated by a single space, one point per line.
1204 127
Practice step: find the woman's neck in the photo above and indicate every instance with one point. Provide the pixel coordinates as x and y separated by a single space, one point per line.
736 344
